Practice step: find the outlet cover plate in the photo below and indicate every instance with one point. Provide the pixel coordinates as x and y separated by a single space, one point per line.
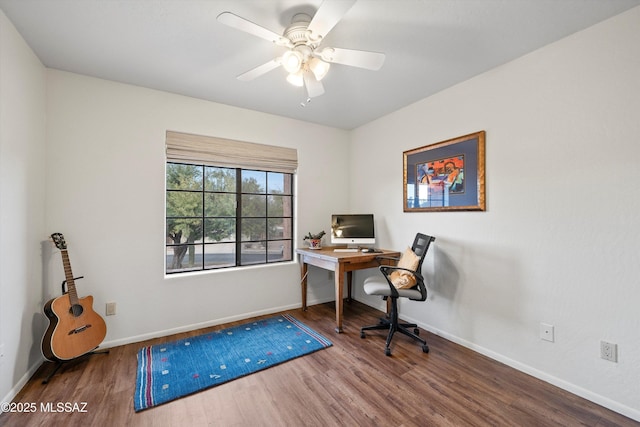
546 332
609 351
110 309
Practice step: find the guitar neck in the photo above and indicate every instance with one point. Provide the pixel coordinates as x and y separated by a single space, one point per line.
71 285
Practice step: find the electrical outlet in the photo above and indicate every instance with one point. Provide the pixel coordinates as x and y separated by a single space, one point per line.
111 309
546 332
609 351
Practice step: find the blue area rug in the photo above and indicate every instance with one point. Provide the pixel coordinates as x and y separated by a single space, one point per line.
175 369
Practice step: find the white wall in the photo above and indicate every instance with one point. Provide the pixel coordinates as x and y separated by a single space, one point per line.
558 243
104 190
560 240
22 178
106 195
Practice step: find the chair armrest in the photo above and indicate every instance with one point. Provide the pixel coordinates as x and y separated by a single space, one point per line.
386 271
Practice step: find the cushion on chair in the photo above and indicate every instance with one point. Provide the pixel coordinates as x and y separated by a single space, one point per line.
375 286
403 279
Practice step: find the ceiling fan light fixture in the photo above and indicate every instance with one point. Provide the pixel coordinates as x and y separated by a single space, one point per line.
296 79
313 38
319 68
283 41
306 66
327 54
292 61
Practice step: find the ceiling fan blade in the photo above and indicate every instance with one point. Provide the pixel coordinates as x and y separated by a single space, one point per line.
327 16
314 87
234 21
259 70
355 58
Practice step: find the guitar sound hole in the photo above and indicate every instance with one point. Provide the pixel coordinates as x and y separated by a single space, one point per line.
76 310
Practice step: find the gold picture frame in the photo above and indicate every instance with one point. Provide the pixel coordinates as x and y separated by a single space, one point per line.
446 176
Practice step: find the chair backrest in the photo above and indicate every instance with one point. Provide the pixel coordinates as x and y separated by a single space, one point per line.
420 246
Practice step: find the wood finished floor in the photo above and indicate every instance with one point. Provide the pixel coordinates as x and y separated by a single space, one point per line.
350 384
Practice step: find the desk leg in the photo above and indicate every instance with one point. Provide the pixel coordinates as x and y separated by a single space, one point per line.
349 283
304 269
339 281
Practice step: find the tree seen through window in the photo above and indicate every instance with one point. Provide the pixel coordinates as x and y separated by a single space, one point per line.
223 217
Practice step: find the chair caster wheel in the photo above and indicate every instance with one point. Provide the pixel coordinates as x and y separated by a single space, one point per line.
362 334
387 351
425 348
416 331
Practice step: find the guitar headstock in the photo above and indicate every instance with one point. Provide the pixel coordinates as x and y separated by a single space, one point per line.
58 239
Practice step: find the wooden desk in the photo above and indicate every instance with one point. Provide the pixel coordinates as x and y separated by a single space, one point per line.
340 263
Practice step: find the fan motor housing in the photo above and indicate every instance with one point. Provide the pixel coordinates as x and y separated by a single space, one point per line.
297 32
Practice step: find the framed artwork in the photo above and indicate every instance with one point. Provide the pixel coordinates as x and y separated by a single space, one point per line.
445 176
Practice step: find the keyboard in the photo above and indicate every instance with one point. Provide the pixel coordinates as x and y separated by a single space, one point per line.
346 250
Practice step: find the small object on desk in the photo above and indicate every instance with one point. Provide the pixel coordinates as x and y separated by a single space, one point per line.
345 250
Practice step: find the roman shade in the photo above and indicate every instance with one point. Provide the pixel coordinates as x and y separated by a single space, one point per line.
190 148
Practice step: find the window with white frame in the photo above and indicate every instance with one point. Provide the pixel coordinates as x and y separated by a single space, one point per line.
220 214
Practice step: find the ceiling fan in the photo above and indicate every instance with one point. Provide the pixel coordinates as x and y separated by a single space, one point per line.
304 60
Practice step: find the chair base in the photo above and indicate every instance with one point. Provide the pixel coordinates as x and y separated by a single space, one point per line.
394 326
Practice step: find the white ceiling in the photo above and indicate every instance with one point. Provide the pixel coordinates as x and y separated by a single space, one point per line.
178 46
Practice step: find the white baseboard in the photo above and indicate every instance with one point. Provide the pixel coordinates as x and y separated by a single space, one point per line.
560 383
207 324
195 326
23 380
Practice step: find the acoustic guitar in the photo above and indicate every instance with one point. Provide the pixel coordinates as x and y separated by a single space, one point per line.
74 328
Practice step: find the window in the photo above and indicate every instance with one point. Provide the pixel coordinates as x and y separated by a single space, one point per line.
223 217
228 203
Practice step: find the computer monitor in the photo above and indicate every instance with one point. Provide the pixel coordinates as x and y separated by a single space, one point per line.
352 229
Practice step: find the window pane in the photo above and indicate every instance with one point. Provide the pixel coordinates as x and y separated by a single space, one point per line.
254 181
175 232
276 205
220 179
181 230
220 255
220 229
184 258
253 253
184 204
275 183
216 204
254 229
279 228
254 205
204 223
279 251
278 183
184 177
